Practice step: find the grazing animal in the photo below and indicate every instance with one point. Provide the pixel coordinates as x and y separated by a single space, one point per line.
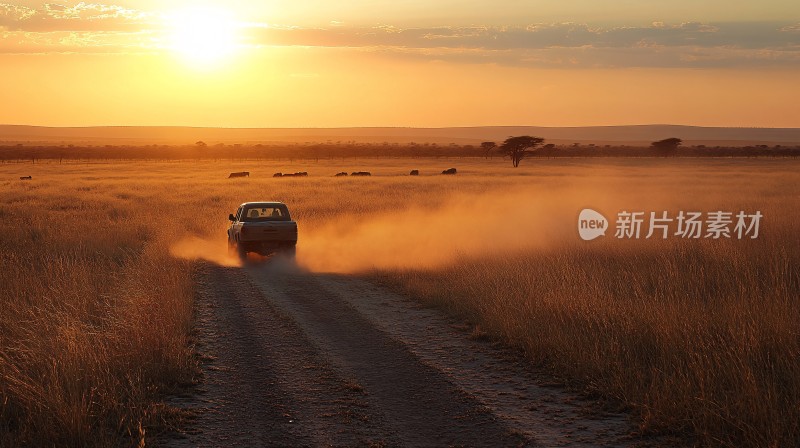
361 173
343 173
240 174
414 173
450 171
277 175
302 173
25 178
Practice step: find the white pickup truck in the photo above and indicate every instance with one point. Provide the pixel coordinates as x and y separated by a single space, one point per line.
262 227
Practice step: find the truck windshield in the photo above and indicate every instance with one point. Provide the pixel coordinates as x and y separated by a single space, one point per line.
265 214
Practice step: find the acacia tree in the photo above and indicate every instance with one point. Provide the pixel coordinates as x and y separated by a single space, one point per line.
488 147
516 148
668 146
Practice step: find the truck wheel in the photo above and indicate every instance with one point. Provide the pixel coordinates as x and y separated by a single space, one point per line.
241 252
290 253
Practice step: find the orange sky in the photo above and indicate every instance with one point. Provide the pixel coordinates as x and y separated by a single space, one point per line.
230 64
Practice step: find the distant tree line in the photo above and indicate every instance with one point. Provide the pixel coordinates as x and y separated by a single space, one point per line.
515 148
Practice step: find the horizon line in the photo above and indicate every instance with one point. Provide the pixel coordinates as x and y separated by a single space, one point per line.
390 126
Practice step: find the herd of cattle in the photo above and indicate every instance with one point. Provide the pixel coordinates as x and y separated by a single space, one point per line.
300 174
341 174
303 174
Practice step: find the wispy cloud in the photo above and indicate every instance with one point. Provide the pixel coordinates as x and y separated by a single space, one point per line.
91 27
563 44
538 36
26 42
81 17
794 28
82 28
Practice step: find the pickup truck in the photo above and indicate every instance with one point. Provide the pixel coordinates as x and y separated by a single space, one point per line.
262 227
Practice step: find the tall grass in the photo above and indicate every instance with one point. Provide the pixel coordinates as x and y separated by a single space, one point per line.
96 316
698 336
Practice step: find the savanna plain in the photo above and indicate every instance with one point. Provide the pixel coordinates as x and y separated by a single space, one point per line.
698 338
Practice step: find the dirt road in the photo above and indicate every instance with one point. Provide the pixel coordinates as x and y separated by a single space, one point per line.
301 359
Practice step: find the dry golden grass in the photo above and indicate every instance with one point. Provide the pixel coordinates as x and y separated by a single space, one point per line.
699 336
95 316
696 339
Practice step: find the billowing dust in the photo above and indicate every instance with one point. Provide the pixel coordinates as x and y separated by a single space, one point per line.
419 237
197 248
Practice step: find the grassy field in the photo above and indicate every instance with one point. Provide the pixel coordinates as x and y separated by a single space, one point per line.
696 336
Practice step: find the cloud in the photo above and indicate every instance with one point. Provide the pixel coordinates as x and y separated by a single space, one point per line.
651 56
81 17
92 27
690 44
560 35
24 42
82 28
14 13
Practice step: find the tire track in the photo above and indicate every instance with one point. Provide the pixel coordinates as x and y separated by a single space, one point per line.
302 359
264 384
421 406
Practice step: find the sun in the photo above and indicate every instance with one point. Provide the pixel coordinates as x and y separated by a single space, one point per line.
203 35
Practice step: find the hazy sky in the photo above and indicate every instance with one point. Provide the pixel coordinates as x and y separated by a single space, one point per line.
280 63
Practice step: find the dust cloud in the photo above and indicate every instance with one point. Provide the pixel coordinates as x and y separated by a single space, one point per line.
196 248
425 238
422 236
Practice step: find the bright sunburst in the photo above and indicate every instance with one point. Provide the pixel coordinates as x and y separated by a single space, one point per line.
203 35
